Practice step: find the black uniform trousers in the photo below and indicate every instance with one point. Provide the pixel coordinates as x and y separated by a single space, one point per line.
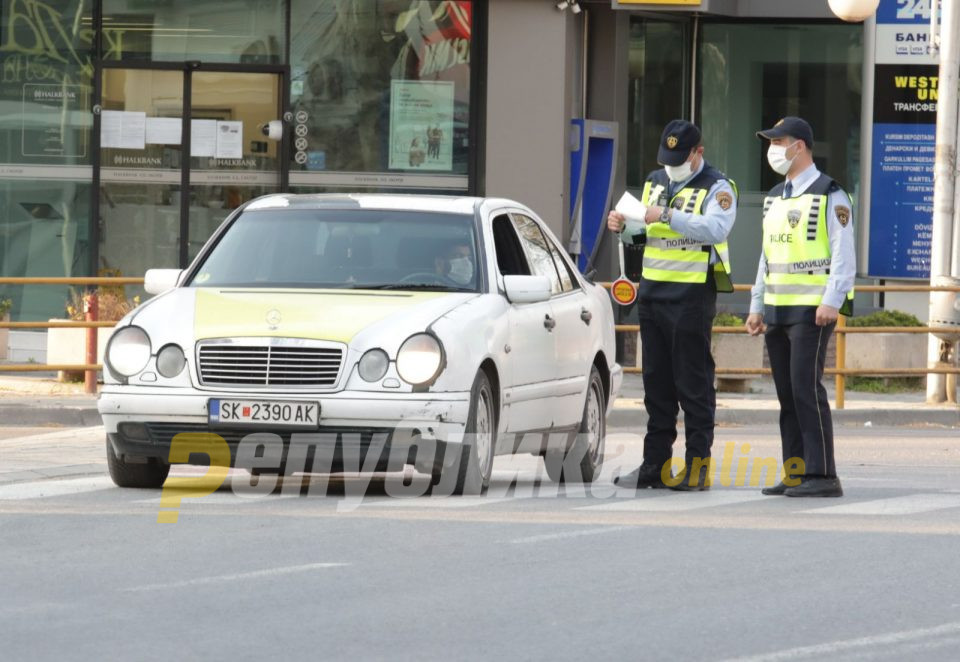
797 355
678 369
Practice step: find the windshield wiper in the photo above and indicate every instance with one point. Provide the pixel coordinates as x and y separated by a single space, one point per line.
414 286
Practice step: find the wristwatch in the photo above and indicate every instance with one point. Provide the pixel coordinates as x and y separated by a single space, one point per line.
665 215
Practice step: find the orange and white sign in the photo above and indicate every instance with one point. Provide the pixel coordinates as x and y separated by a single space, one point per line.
623 291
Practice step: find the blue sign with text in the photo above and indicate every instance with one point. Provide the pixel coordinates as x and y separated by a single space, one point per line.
904 134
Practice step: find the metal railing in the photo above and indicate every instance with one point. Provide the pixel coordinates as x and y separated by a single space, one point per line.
840 371
91 323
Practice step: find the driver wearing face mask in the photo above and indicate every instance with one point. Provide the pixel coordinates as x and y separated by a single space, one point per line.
458 264
690 210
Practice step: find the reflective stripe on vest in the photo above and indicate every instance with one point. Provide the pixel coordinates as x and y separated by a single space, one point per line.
671 257
797 248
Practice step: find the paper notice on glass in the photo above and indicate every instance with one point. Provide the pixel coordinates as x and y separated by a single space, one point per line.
164 130
122 130
632 208
203 137
229 140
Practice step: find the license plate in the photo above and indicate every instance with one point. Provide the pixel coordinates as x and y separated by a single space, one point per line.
265 412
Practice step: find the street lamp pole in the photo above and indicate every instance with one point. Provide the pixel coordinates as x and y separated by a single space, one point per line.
944 180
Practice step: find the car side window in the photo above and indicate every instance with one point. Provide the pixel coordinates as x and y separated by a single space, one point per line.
510 258
538 251
567 280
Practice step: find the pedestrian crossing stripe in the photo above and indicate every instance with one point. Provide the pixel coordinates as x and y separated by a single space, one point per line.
911 504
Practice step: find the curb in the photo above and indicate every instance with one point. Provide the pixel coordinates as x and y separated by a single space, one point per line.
637 418
20 415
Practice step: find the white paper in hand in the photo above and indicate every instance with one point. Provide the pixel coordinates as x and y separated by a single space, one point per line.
632 208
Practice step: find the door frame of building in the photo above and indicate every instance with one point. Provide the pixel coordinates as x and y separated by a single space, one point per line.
187 67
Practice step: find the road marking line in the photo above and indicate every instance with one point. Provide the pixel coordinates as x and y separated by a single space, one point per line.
52 487
567 534
433 502
256 574
828 649
904 505
676 502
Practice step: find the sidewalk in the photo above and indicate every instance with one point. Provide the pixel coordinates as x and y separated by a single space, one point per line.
42 401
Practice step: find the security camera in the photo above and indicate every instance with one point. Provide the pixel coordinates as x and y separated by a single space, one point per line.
575 8
272 129
563 4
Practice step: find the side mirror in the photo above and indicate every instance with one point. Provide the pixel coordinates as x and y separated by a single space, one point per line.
158 281
527 289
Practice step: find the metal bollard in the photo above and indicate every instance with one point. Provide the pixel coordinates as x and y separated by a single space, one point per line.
91 311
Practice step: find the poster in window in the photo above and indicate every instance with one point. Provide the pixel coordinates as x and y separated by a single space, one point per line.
421 125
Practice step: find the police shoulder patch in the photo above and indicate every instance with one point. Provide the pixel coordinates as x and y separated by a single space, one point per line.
843 214
725 200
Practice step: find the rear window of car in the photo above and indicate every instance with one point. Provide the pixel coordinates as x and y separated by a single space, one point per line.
344 249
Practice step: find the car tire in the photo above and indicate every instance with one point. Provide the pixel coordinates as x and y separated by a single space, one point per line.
475 463
128 474
583 459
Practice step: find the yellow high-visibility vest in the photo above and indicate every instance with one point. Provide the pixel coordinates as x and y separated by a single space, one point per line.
797 248
670 257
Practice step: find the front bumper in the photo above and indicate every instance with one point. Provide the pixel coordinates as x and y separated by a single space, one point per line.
353 418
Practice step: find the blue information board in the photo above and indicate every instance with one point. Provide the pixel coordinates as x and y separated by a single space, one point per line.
904 131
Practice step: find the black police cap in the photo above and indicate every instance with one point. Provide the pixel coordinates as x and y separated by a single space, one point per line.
678 138
794 127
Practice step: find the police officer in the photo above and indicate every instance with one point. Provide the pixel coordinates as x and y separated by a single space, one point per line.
804 282
690 210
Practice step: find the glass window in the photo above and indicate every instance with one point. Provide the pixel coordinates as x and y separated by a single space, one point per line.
140 180
364 249
538 251
510 258
567 281
752 75
658 89
380 86
45 149
236 31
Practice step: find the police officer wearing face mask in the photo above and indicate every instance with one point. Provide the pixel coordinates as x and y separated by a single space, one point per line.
804 282
691 208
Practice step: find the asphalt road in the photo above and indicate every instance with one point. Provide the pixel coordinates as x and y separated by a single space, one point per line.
336 569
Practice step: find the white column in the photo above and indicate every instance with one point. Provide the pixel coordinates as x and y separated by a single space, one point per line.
944 174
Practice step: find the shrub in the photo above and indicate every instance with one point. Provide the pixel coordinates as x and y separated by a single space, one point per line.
5 306
885 318
111 304
727 319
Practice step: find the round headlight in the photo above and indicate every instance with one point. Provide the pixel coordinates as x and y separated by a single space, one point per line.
373 365
128 351
170 361
420 359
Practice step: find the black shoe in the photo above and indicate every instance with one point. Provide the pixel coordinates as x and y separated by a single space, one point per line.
646 475
816 487
776 490
699 483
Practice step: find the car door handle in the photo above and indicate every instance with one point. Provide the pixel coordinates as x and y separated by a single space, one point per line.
549 323
586 316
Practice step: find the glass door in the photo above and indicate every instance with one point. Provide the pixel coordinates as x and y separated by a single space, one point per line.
231 160
179 150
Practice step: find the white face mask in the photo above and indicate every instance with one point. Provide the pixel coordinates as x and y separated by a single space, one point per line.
461 270
777 158
679 173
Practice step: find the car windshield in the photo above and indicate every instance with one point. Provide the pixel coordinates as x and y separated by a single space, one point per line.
344 249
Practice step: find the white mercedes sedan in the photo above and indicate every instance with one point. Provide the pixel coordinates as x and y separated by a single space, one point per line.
336 333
